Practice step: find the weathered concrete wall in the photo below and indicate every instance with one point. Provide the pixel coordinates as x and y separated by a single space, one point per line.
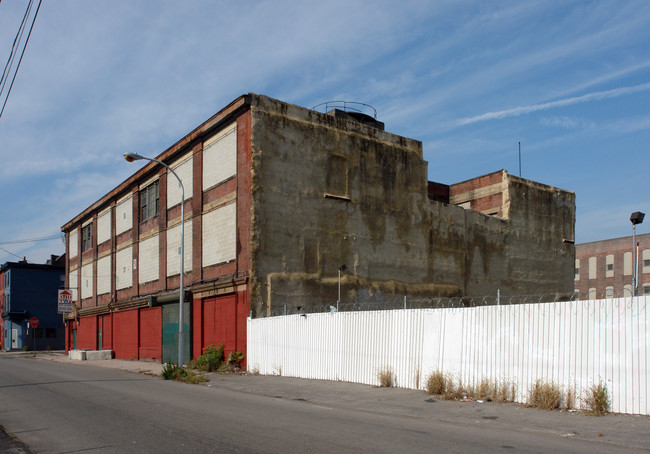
328 191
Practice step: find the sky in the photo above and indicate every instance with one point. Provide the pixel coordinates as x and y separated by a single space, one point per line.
471 80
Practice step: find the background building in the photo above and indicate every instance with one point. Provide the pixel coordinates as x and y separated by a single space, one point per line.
604 268
30 290
278 197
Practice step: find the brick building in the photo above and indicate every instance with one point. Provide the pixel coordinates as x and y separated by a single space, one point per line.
278 197
604 268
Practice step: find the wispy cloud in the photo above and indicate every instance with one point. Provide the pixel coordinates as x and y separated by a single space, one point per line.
523 110
567 122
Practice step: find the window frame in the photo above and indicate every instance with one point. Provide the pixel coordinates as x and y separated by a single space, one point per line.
149 202
87 237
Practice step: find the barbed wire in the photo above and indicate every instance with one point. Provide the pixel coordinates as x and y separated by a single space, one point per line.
419 303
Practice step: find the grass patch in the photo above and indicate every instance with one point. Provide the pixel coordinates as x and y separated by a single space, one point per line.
386 377
172 371
544 395
597 400
443 385
569 398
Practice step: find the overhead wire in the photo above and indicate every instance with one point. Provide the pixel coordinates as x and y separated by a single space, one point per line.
21 56
17 39
31 240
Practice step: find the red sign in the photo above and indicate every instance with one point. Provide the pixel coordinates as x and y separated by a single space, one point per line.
33 322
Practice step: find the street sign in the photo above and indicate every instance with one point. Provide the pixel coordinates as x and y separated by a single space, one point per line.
33 322
65 302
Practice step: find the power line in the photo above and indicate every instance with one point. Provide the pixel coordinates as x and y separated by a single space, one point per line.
17 39
32 240
21 56
9 252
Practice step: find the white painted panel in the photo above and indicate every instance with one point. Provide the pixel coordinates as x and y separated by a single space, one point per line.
577 274
219 235
174 246
87 281
572 344
124 215
104 227
73 285
220 157
627 264
592 268
645 258
148 260
184 169
124 268
104 275
73 247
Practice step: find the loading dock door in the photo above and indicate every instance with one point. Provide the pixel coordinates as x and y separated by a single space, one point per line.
170 333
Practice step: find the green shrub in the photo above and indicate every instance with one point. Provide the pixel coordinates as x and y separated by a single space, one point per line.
210 360
235 358
171 371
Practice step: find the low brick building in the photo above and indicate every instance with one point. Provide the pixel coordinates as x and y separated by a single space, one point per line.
278 197
604 269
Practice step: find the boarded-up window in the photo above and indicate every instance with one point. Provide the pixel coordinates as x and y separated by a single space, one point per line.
577 270
104 227
124 215
220 157
592 268
337 175
73 284
104 275
219 235
73 239
627 264
174 249
87 281
148 259
183 168
124 268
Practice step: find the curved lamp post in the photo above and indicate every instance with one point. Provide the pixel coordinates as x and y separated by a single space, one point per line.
181 294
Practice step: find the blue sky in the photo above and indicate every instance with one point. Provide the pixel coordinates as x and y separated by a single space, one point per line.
569 80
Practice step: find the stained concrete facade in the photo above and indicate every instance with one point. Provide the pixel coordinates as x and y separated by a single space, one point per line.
329 191
277 198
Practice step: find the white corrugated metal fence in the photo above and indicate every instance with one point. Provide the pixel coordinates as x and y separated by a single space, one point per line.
573 344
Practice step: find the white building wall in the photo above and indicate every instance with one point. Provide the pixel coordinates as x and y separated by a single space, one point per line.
219 235
148 260
124 268
220 157
173 249
184 169
87 281
104 274
124 215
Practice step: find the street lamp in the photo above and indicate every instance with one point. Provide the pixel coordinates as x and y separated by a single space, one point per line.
181 294
338 302
635 218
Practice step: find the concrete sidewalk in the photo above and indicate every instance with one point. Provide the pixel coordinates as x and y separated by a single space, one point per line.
615 431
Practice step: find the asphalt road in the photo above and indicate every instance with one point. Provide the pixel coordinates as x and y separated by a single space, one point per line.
58 408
